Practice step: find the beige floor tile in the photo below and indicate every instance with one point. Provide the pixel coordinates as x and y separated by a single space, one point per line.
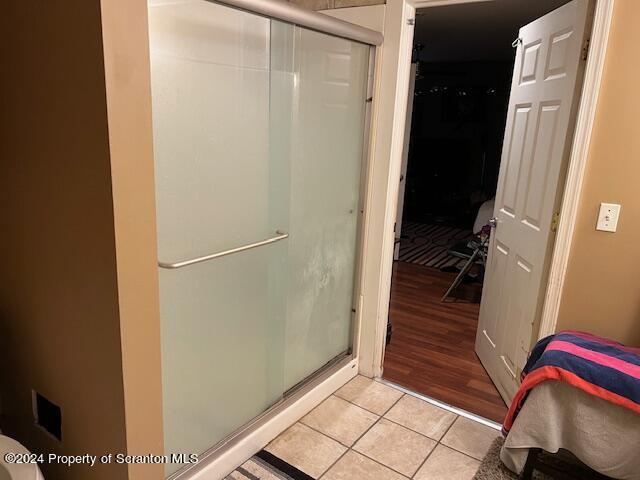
421 416
369 394
354 466
306 449
397 447
447 464
340 420
470 437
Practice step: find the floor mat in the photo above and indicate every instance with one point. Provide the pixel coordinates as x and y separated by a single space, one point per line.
266 466
428 245
565 464
492 467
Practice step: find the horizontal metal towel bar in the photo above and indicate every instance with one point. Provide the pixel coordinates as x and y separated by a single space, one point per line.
184 263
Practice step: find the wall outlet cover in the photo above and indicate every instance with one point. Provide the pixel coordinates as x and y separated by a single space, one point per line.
608 217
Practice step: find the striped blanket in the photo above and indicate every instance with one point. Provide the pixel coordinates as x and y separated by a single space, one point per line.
600 367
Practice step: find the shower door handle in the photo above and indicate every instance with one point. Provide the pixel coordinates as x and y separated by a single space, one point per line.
184 263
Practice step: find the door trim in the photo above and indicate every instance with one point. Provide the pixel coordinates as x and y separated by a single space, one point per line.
373 333
391 86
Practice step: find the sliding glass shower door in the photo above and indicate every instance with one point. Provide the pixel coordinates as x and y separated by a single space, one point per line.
318 99
258 138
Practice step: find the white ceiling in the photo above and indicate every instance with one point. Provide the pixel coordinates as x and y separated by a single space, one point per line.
479 31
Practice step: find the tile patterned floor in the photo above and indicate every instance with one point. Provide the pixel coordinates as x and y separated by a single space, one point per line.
371 431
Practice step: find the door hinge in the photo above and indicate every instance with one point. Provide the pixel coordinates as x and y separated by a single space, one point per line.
555 220
411 21
585 49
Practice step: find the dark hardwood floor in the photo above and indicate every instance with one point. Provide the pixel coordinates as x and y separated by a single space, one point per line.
432 346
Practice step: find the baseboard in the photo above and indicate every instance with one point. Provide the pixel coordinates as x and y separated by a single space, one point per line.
217 466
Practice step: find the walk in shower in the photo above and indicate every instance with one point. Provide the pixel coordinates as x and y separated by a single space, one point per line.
259 137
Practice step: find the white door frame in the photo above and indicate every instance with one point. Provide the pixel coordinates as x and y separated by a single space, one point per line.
390 100
405 160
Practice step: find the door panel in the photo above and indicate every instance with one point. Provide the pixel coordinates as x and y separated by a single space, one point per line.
210 72
558 51
518 315
328 78
514 159
492 299
545 89
215 315
530 56
541 165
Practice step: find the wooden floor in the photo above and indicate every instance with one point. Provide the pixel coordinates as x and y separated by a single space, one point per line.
432 346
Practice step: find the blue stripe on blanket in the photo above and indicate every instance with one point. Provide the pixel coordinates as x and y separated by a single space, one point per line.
594 346
605 377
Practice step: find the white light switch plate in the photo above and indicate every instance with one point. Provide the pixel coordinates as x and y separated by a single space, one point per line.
608 217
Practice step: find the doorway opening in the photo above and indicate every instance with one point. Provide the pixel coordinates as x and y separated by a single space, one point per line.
459 98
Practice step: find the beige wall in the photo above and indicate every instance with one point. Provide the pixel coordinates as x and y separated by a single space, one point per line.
602 289
78 319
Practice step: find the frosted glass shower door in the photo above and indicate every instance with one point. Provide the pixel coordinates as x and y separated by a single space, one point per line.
320 84
258 139
222 320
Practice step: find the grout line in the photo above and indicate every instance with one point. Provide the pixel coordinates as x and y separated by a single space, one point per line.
358 439
335 439
453 448
380 417
393 421
393 405
409 429
331 466
371 411
326 435
367 456
365 432
366 409
438 442
458 451
420 433
425 459
414 431
379 463
445 406
406 392
449 428
348 448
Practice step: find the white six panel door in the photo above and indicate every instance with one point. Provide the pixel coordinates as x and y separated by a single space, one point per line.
545 90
